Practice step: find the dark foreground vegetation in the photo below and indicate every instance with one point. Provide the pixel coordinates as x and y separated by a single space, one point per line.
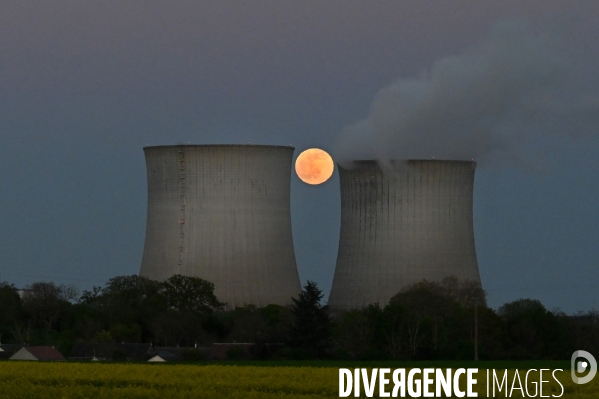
426 321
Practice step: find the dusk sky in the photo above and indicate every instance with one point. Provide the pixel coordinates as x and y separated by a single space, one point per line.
84 86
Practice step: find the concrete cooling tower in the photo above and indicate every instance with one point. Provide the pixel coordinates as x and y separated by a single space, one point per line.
401 225
221 213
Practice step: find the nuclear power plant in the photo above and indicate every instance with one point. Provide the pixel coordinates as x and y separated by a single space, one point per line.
222 213
401 224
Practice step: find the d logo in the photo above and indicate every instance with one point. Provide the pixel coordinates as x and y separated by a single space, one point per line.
583 366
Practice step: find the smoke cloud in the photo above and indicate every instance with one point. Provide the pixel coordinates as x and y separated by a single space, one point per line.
507 99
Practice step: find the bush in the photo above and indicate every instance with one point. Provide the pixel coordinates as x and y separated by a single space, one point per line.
191 355
119 355
235 353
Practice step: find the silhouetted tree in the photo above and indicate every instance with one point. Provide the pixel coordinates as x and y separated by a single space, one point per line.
189 294
10 309
533 331
358 332
311 328
268 324
432 319
45 302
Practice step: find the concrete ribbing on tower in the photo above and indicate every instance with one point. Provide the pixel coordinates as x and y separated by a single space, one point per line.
222 213
401 224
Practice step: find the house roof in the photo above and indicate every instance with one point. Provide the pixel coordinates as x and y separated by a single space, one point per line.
168 355
164 356
84 350
44 353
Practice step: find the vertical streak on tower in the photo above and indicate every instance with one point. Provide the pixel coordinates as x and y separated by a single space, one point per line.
182 187
222 213
409 222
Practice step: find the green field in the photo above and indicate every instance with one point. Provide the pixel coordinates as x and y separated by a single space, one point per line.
313 379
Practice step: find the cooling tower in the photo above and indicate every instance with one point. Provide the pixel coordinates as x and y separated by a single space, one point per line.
408 222
221 213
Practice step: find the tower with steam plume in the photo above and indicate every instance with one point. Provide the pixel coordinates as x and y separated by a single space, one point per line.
401 223
222 213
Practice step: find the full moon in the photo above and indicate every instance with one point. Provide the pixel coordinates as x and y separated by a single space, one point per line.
314 166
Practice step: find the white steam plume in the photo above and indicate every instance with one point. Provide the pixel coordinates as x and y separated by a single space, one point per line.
502 100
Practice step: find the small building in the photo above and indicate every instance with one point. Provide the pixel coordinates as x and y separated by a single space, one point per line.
6 351
89 351
187 353
37 353
221 351
9 348
164 356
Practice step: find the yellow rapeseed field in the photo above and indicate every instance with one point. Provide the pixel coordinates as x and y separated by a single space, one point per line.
110 380
113 380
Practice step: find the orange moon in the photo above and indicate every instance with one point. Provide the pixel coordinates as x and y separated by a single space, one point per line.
314 166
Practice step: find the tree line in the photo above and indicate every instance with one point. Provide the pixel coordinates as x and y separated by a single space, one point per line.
427 320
